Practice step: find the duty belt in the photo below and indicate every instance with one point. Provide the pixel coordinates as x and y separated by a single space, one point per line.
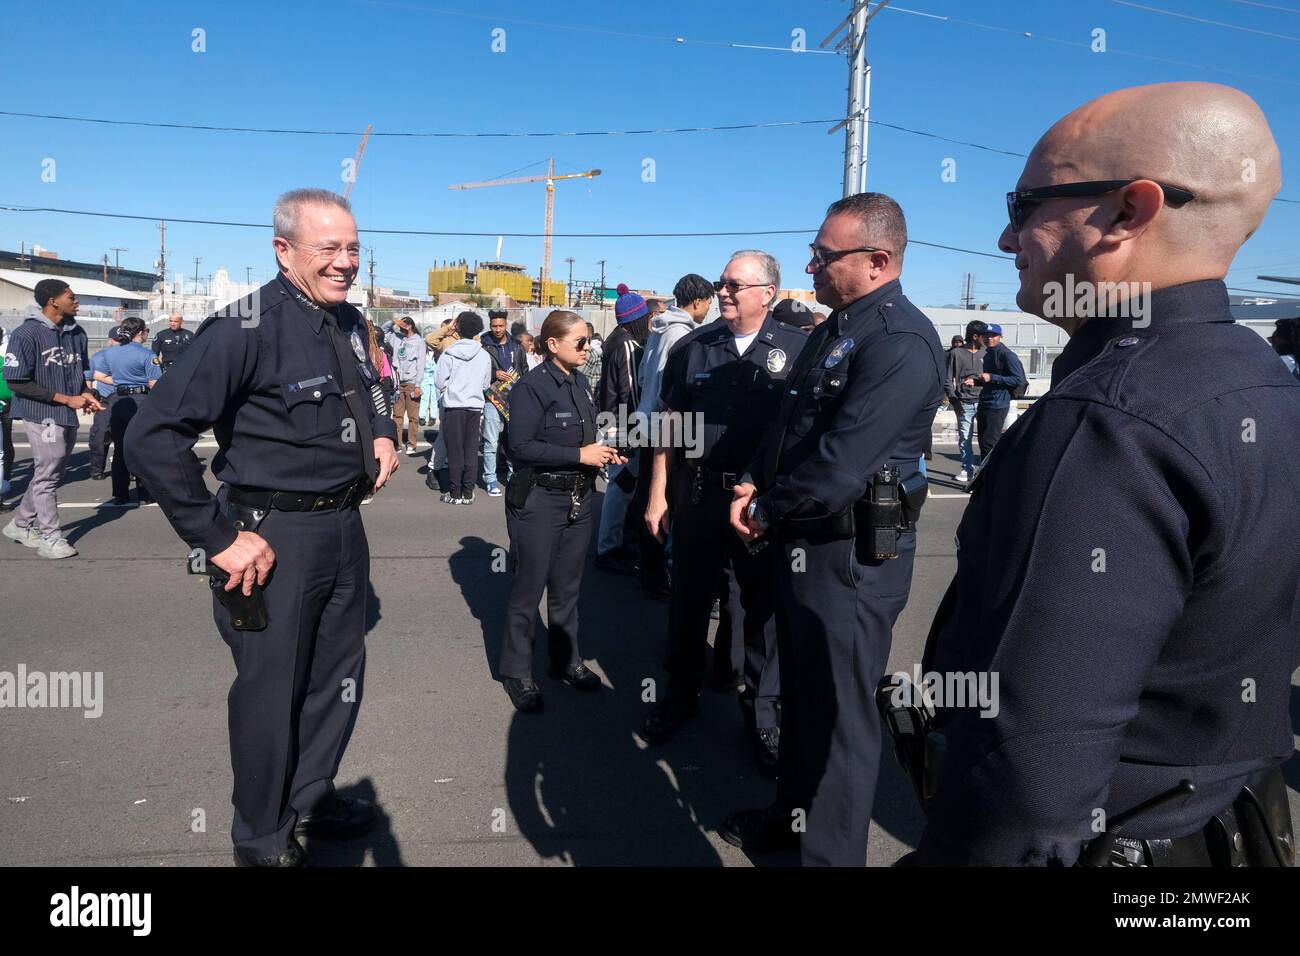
726 480
562 480
263 500
130 390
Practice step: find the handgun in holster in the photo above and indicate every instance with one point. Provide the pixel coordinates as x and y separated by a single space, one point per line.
918 746
891 506
247 611
517 488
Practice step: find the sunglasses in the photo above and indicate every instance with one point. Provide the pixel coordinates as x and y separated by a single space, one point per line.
1022 203
824 257
733 286
581 344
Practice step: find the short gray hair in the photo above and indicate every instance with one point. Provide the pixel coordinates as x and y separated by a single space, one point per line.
285 216
768 267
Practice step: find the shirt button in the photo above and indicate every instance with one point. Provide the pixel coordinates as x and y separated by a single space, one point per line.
1125 343
316 394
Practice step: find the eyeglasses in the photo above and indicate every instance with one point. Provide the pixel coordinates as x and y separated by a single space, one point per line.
732 286
331 252
824 257
1022 203
581 344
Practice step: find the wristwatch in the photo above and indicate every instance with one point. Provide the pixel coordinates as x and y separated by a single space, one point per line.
756 515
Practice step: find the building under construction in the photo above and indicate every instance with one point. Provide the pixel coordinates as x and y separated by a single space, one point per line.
500 279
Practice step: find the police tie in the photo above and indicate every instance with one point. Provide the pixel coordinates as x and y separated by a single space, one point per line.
350 382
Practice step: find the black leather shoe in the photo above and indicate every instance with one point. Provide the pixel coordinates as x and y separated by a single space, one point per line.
524 694
760 831
292 855
578 676
98 475
667 716
338 819
767 745
614 564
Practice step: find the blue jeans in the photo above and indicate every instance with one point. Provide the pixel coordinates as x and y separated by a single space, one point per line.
965 430
428 400
492 427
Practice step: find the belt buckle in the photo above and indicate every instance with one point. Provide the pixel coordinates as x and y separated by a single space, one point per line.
729 480
322 503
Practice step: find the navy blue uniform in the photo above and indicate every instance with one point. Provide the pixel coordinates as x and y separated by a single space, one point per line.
862 395
130 366
1127 565
736 397
170 344
551 418
273 391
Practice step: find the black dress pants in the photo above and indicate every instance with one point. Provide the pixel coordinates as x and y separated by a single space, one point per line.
462 427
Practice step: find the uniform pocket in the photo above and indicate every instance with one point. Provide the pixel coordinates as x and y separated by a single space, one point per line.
313 406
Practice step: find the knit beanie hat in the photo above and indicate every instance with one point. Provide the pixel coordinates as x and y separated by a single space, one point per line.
629 307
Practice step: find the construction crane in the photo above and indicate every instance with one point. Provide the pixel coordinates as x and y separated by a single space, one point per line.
356 163
549 179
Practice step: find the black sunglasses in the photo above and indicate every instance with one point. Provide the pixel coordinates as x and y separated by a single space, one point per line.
581 343
1022 202
824 257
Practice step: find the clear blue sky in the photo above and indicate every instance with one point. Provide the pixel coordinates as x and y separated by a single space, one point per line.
411 65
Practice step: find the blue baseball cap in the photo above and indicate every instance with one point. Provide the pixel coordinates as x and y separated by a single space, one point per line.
993 330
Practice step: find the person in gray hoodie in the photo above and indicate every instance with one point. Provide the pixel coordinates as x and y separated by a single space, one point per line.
464 373
408 367
693 297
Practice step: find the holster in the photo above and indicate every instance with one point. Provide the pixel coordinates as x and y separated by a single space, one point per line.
517 488
247 611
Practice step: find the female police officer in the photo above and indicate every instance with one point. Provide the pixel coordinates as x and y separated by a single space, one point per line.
552 440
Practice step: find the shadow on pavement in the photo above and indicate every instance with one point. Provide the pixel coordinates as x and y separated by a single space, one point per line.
581 787
379 843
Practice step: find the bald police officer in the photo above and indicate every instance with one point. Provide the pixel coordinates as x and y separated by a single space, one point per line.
301 444
1127 565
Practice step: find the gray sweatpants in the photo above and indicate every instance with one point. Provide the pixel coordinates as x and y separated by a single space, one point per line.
51 448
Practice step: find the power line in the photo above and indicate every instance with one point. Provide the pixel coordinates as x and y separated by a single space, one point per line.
1213 23
512 235
1267 6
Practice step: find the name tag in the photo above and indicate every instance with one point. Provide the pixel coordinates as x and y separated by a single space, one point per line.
703 376
564 414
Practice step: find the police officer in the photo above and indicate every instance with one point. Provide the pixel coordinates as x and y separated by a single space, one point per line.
99 430
552 439
830 482
730 375
1127 564
170 343
301 444
129 371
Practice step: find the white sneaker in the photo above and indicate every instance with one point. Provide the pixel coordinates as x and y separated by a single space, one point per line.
56 548
28 537
962 476
410 450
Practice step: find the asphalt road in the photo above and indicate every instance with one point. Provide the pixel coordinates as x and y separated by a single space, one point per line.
462 779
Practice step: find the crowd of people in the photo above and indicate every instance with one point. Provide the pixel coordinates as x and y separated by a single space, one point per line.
783 484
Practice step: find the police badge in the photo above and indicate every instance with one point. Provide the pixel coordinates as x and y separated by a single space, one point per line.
841 349
775 360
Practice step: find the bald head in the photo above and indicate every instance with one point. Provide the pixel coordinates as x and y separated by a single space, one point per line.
1208 139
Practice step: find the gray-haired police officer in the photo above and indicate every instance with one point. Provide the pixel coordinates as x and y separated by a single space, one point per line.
1127 566
731 376
300 445
548 508
836 482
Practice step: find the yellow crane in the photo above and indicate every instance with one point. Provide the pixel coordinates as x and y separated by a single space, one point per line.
356 163
549 179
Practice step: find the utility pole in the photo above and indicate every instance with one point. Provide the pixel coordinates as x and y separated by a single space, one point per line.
601 303
162 261
106 268
372 277
569 303
197 260
248 275
968 291
117 261
859 89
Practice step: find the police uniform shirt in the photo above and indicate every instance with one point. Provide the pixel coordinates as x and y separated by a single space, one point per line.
50 356
169 344
128 364
737 395
862 394
551 418
97 364
268 386
1127 566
